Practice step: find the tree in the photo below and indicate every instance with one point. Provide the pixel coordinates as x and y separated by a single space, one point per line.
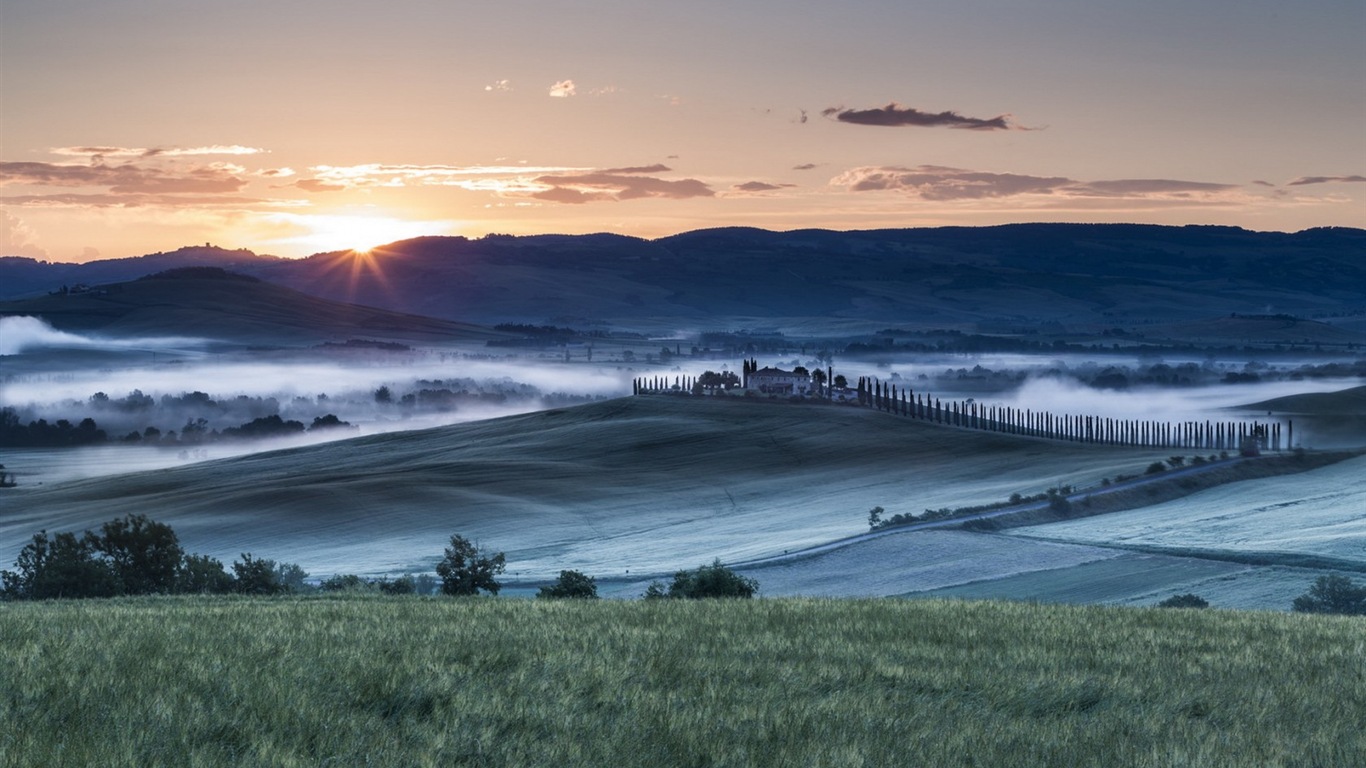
818 376
1187 600
62 566
290 577
571 584
875 516
256 576
715 580
465 569
1333 594
144 555
201 574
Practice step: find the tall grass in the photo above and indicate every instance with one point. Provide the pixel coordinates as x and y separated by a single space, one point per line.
411 682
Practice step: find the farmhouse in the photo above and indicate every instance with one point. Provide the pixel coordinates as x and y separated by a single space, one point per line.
776 381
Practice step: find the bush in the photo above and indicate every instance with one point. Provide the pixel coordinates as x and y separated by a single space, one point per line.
1187 600
715 580
344 582
403 585
571 584
465 569
256 576
1154 468
201 574
1333 594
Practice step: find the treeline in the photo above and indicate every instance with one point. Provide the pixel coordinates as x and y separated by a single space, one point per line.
39 433
1250 438
133 555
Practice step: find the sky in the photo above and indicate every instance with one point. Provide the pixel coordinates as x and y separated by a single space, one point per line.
292 127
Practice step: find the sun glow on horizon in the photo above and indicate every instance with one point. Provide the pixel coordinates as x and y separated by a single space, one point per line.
359 233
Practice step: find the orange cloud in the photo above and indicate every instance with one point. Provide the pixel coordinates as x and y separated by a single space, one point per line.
939 183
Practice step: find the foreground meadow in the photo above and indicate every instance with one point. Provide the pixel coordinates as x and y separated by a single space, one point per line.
360 680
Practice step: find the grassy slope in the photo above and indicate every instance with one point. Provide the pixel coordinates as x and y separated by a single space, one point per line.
241 310
1347 402
640 484
775 682
1320 513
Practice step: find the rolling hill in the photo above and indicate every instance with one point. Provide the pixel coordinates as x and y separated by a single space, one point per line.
627 486
212 303
1346 402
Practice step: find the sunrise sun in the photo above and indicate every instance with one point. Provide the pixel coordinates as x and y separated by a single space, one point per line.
360 233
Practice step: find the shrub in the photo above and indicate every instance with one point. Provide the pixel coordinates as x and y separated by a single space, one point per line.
344 582
256 576
715 580
403 585
1154 468
571 584
1187 600
465 569
201 574
1333 594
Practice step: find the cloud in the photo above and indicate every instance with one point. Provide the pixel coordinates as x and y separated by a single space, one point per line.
603 186
940 183
318 185
895 115
276 173
760 186
17 238
656 168
499 86
1261 183
1144 188
69 200
105 151
804 167
1303 180
381 175
932 182
563 89
129 178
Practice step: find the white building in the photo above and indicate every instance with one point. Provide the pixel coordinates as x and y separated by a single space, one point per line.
776 381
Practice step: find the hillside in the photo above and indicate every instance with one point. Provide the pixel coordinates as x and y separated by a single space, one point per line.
1007 279
212 303
637 484
1347 402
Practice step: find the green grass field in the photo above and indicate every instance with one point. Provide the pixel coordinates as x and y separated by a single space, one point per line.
412 681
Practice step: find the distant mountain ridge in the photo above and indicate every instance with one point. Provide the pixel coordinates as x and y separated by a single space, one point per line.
21 276
213 303
983 277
